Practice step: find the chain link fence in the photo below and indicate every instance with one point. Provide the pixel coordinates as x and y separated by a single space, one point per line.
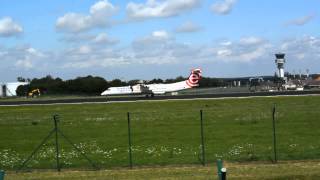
158 137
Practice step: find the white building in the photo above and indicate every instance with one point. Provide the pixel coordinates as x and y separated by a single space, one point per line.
9 89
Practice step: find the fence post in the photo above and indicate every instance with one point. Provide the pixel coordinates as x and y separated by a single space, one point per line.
223 174
202 139
129 139
1 175
274 133
56 119
219 167
55 130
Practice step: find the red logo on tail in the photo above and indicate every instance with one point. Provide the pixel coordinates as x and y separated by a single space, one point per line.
194 78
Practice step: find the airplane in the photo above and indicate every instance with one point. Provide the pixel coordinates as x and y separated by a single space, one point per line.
152 89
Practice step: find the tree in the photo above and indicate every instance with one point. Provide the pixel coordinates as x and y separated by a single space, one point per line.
21 79
156 81
86 85
134 82
117 82
23 90
212 82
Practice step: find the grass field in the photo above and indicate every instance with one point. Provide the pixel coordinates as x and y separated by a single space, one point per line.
163 132
303 170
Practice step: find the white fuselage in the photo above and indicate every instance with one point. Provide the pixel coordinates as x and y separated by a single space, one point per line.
164 88
146 89
192 81
136 89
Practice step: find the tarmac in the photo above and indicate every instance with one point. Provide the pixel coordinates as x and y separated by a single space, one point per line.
160 97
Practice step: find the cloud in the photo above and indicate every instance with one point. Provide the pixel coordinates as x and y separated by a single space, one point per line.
99 39
159 9
29 58
300 21
225 43
245 56
98 17
154 49
104 39
76 38
223 7
22 58
246 49
153 42
84 50
154 39
160 34
302 48
250 40
9 28
160 47
188 27
81 58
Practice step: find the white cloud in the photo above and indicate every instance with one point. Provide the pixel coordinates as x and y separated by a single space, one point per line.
301 20
226 43
160 34
99 16
24 64
102 9
223 7
99 39
151 44
22 58
156 38
159 8
84 49
160 49
76 38
250 40
73 22
103 38
247 49
188 27
302 48
9 28
224 53
300 56
75 58
252 55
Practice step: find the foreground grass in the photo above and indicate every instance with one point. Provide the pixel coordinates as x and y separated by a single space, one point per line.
163 132
283 170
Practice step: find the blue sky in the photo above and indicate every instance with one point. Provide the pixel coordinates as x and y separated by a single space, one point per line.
148 39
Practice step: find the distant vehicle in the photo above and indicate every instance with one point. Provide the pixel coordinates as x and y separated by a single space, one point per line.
255 83
152 89
34 93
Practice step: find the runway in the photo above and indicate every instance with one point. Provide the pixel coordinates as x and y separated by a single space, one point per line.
141 98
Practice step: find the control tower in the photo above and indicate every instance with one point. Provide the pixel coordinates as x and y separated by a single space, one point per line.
280 60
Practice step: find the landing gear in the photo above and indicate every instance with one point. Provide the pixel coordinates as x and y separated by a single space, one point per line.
149 95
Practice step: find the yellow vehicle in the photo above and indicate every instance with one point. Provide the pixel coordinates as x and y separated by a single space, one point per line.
34 93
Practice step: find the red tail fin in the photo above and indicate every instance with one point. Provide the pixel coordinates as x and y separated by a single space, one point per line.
194 78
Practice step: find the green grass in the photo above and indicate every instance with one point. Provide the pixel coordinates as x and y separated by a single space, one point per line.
163 132
235 171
